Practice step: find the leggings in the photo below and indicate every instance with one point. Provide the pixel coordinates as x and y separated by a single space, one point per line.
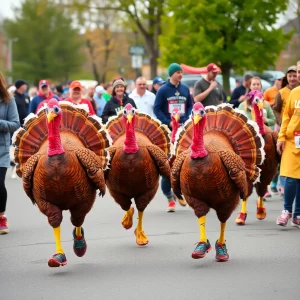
3 192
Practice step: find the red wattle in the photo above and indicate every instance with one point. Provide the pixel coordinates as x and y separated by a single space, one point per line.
259 119
130 144
197 149
54 143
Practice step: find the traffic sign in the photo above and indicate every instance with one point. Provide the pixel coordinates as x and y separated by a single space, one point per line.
136 61
137 50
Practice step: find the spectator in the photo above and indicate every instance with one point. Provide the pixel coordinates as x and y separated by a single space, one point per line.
22 101
76 96
143 98
9 122
284 93
207 90
118 101
271 93
99 99
44 93
240 92
32 92
58 91
108 91
172 94
89 96
156 84
288 145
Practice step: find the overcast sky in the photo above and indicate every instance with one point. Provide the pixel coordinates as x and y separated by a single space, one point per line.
7 10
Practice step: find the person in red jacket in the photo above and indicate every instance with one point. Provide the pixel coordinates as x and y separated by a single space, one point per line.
76 96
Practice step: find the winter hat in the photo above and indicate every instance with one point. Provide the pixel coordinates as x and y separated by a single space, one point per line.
118 81
173 68
19 83
100 90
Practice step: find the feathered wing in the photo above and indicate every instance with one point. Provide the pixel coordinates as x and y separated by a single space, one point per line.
75 120
160 159
175 173
153 129
242 134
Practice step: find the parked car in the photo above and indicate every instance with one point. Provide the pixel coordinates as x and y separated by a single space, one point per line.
190 80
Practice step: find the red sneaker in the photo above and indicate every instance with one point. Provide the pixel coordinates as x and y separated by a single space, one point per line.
3 225
171 206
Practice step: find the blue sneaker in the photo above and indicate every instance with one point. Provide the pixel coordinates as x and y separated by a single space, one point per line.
57 260
201 250
79 245
221 252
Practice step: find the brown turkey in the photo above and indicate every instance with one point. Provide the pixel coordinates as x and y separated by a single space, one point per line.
138 156
216 151
270 165
60 156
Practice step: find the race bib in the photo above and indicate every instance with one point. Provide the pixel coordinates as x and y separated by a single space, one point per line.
177 104
297 139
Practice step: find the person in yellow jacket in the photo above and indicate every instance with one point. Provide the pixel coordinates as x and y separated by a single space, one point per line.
288 145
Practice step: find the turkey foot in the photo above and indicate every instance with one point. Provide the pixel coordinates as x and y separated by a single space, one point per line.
261 212
59 258
79 245
241 218
127 219
141 238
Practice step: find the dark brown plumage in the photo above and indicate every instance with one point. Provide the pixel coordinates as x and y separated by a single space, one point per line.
139 155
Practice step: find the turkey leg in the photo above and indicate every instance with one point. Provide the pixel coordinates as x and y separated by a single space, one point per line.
127 218
141 238
241 218
261 212
59 258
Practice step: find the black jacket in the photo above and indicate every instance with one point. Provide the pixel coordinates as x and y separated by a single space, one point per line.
22 102
113 106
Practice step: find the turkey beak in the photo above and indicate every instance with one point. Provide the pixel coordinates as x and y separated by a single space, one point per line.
129 118
260 104
197 118
51 115
177 118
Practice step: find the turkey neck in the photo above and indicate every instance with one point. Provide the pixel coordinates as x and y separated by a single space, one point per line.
54 147
197 148
259 119
130 145
175 126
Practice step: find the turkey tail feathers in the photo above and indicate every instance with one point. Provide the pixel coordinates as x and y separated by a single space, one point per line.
153 129
242 133
75 119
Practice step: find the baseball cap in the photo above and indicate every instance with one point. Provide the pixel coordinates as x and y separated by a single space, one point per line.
292 69
76 84
278 76
212 67
158 80
100 89
43 82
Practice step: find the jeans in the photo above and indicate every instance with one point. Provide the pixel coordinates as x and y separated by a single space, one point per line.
3 192
166 187
292 189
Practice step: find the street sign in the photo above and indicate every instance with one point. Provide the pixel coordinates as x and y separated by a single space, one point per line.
136 61
137 50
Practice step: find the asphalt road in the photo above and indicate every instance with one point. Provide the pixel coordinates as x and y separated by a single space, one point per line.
264 258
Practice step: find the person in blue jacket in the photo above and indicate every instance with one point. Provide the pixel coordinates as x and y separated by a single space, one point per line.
172 94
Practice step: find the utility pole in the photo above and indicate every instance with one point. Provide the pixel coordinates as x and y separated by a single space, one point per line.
10 57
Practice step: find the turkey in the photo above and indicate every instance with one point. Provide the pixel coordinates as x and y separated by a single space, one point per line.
138 156
268 168
61 158
216 151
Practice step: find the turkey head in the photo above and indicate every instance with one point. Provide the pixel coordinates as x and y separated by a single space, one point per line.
130 144
175 117
257 101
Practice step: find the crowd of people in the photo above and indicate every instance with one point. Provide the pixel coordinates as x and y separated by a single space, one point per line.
280 114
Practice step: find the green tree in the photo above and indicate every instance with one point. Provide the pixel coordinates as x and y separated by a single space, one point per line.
144 16
234 34
46 45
